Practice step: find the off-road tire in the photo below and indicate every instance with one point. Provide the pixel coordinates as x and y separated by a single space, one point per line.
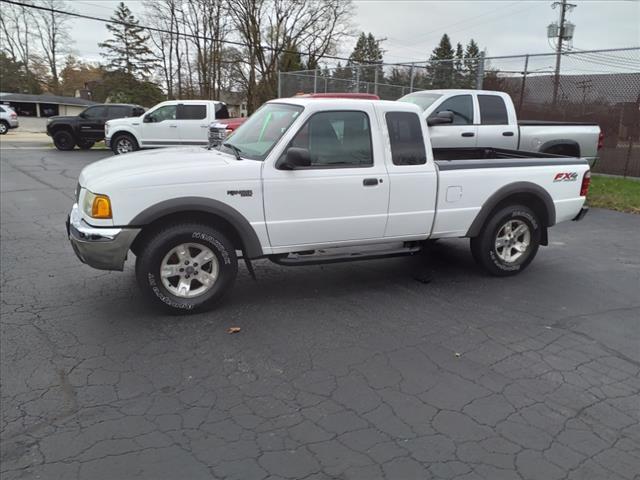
64 141
154 251
490 257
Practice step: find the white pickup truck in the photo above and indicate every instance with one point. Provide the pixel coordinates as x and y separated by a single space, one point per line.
304 182
168 124
484 118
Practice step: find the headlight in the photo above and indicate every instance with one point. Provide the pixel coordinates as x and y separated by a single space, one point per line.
106 129
96 205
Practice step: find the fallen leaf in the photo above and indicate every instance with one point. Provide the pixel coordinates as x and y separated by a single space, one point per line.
233 329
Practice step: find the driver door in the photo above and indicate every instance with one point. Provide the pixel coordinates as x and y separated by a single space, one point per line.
160 127
92 122
341 196
462 132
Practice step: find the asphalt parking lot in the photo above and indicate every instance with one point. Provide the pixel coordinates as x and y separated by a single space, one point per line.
350 371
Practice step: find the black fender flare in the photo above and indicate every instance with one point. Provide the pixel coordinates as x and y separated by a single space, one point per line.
505 192
250 241
563 141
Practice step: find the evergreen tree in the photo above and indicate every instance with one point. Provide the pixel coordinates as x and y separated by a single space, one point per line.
127 51
441 64
458 67
368 54
471 54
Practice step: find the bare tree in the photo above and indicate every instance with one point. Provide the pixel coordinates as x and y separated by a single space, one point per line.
271 28
53 33
15 34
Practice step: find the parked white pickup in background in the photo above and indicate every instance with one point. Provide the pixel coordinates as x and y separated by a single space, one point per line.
168 124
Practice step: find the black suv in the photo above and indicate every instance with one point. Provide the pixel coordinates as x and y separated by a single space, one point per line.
87 128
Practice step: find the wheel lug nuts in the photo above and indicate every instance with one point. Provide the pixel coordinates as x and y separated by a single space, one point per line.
182 269
186 262
196 272
186 276
195 264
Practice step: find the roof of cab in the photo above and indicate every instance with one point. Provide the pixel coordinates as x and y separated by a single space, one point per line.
348 103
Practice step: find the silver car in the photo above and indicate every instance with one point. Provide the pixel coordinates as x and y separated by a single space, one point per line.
8 119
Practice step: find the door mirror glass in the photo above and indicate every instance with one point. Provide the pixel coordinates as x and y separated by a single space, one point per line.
148 118
296 158
440 118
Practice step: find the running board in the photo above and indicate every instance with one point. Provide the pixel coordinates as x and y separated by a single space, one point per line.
302 259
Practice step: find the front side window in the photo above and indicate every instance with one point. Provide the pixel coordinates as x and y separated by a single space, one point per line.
192 112
168 112
336 139
95 112
405 137
462 108
492 110
258 135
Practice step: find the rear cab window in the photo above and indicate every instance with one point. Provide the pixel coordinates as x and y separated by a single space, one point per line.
405 137
192 112
493 110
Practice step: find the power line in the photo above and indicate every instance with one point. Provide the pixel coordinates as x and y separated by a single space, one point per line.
161 30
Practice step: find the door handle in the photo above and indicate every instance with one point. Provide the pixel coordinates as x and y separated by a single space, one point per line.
468 134
204 126
507 134
173 126
370 182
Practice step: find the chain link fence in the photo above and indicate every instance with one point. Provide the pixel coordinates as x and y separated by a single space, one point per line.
601 86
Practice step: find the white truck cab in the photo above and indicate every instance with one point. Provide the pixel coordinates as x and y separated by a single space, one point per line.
304 182
168 124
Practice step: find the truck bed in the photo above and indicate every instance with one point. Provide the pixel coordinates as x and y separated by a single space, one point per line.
466 158
550 123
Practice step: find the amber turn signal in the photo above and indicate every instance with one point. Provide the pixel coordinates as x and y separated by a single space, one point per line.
101 207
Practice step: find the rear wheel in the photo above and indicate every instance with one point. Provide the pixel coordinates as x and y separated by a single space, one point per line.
63 140
508 242
86 144
186 268
4 127
124 143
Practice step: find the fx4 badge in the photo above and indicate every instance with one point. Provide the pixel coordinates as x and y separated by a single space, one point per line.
566 177
242 193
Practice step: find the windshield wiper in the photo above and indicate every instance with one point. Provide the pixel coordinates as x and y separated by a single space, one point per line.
235 149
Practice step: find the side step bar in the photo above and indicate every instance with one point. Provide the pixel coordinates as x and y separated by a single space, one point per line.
302 259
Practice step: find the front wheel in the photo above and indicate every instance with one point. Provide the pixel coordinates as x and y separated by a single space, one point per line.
508 242
4 127
124 143
186 268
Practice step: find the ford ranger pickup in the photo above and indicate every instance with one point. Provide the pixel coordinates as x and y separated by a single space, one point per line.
306 182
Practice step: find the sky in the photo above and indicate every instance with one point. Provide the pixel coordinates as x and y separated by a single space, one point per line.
412 29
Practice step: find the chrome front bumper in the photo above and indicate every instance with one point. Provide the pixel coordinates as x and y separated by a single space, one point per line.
101 248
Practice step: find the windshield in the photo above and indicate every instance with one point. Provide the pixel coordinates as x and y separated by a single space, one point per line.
423 100
257 136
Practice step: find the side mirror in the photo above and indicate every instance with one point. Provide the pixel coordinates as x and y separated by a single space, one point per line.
296 158
440 118
148 119
82 115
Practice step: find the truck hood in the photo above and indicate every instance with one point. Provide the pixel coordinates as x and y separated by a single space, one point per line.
62 118
169 166
124 121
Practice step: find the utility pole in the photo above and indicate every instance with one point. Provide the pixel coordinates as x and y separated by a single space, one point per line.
584 85
562 35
